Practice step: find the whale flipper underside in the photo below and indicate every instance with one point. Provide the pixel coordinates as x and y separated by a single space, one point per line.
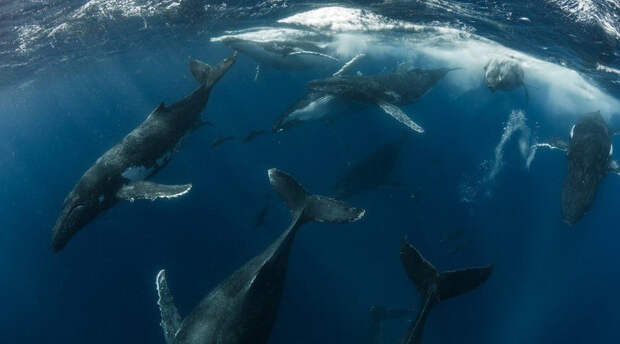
205 74
313 207
434 286
614 167
170 318
400 116
152 191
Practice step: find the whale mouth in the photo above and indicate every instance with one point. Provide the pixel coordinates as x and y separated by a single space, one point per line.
67 226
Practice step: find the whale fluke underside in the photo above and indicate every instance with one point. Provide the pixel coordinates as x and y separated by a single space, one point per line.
205 74
313 207
434 286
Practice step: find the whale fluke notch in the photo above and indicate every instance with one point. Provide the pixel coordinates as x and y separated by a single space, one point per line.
205 74
434 286
311 207
151 191
170 318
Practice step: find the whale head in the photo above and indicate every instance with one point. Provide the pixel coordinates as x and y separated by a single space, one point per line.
82 205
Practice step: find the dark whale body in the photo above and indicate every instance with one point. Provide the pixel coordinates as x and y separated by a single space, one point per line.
388 91
121 172
371 172
589 152
243 308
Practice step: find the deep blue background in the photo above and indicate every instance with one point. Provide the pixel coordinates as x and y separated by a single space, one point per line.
552 283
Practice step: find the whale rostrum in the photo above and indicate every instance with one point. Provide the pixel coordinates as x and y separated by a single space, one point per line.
243 308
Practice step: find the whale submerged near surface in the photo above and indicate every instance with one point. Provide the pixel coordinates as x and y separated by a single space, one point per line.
452 165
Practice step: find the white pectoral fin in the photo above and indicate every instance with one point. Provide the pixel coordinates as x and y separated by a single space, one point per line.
552 144
170 318
348 67
312 53
400 116
614 167
152 191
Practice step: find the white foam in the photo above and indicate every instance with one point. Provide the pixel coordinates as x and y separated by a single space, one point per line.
604 13
334 18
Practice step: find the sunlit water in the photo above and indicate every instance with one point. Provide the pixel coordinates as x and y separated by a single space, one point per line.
78 76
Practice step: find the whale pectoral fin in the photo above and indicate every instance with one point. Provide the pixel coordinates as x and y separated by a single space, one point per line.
170 318
554 143
149 190
400 116
347 67
614 167
311 53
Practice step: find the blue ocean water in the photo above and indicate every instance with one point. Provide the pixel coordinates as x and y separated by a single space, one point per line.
70 92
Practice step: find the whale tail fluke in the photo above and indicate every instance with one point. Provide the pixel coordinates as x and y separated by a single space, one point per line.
205 74
449 283
311 207
434 286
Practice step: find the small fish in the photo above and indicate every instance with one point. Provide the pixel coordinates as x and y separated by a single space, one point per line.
218 141
252 135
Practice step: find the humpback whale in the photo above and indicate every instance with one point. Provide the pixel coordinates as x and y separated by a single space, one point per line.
435 286
504 75
121 173
388 91
282 49
243 308
372 171
589 154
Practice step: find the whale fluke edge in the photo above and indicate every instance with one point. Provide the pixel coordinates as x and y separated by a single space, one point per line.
311 207
435 286
209 75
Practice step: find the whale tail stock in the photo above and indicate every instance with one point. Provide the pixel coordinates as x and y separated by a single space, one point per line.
205 74
311 207
435 286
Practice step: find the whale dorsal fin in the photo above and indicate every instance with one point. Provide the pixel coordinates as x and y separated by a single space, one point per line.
148 190
400 116
170 318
